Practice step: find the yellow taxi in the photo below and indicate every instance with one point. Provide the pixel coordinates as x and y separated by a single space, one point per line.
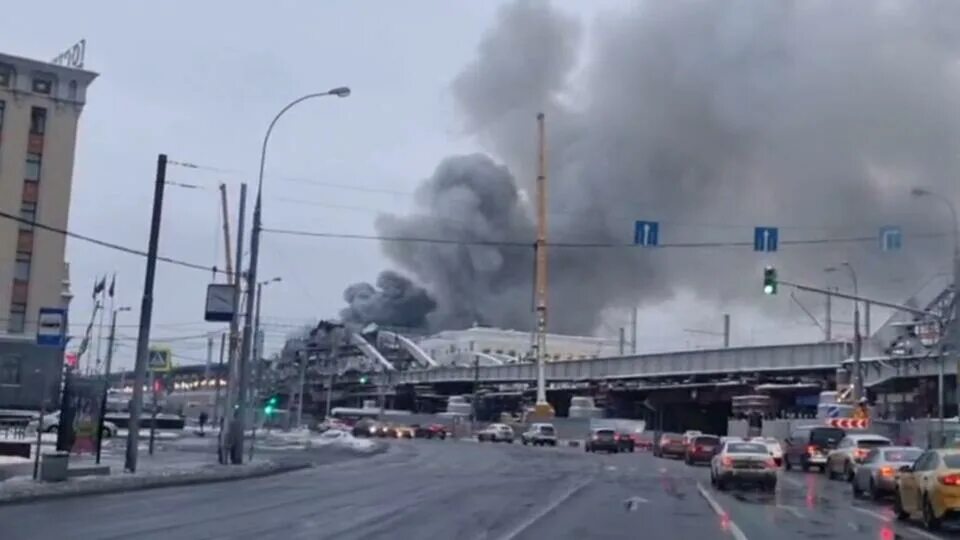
930 488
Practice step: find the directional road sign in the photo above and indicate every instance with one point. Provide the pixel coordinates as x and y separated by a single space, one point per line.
52 327
765 238
646 233
891 238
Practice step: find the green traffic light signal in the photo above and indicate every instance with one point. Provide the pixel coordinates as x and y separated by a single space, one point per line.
769 280
363 379
271 406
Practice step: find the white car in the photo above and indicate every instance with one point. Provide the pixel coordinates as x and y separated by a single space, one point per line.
842 462
496 433
773 446
539 434
743 463
51 424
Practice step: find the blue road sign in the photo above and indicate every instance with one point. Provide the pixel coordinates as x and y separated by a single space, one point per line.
891 238
765 238
52 327
833 411
646 233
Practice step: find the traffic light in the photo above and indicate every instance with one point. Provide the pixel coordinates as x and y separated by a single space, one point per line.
271 406
363 379
769 280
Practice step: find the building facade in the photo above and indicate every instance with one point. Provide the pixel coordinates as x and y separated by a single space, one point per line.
40 106
456 346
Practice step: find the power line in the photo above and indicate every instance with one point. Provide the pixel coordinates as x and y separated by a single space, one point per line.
565 244
104 243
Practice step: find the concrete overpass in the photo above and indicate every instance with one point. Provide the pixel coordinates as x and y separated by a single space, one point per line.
798 358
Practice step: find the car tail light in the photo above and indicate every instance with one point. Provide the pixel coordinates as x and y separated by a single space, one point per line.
727 461
950 480
886 472
664 440
811 450
771 464
698 448
859 453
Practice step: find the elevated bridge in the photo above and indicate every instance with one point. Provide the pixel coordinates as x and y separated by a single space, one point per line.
798 358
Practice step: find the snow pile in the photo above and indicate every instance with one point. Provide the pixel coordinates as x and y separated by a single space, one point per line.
334 438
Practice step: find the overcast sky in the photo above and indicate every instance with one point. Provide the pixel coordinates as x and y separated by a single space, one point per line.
200 81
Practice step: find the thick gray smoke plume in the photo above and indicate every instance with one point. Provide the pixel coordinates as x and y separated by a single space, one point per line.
711 118
395 301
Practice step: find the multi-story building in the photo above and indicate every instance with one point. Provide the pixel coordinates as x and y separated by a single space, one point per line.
40 106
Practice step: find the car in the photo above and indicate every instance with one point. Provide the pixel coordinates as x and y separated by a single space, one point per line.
743 463
51 424
876 476
365 428
539 434
702 449
386 431
808 446
929 489
671 445
433 431
496 433
602 440
626 442
774 446
843 460
403 432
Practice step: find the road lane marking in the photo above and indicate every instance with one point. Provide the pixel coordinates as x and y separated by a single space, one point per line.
890 519
792 509
721 513
537 516
793 481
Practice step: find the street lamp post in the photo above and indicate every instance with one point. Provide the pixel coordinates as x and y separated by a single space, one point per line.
954 331
342 92
258 360
857 338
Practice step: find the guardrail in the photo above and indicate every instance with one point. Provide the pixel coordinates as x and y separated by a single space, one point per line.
773 358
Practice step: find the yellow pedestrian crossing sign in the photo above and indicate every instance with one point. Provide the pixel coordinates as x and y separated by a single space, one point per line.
159 359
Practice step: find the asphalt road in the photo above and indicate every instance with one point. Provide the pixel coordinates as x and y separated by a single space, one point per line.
459 490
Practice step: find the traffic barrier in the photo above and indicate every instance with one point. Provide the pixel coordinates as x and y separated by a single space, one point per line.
849 423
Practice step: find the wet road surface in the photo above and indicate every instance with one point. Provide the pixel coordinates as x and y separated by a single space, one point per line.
446 490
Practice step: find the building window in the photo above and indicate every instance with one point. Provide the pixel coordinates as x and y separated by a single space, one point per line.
33 167
25 241
31 190
18 318
3 107
42 85
10 370
72 91
6 76
38 121
28 212
21 269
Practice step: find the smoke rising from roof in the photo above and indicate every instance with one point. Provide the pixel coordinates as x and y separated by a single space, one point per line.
709 117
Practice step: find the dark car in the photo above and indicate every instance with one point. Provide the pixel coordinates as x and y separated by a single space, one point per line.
365 428
626 442
433 431
702 449
808 447
670 445
602 440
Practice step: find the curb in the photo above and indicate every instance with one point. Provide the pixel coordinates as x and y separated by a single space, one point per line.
186 478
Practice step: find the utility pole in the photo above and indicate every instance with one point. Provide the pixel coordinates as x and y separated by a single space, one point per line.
209 364
106 377
232 441
146 313
726 330
226 231
334 366
633 330
828 326
301 385
217 414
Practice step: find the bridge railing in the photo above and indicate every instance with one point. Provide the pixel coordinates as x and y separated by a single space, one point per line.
808 356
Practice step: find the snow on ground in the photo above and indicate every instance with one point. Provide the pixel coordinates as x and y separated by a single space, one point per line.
13 460
330 438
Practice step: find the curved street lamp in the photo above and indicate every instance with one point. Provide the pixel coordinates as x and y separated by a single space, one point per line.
237 449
